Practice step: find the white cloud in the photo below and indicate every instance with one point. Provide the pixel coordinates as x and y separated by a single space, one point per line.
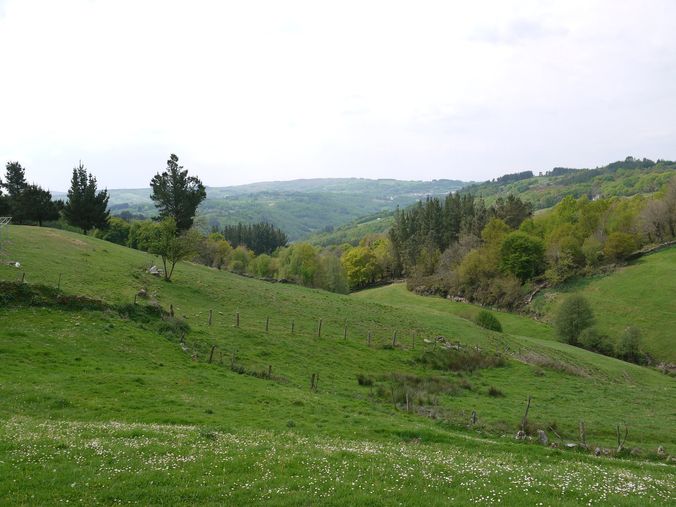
246 91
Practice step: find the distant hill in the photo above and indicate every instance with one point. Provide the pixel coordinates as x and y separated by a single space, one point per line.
623 178
298 207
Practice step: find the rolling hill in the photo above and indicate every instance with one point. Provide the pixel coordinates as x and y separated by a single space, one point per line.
617 179
105 401
642 294
298 207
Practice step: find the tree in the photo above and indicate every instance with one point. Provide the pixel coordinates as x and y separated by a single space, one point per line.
172 247
86 207
332 275
214 251
361 266
261 237
301 263
574 315
36 204
522 255
117 232
619 245
15 183
629 346
591 339
15 179
177 195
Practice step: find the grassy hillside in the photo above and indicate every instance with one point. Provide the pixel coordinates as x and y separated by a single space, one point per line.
623 178
642 294
105 405
354 231
298 207
398 296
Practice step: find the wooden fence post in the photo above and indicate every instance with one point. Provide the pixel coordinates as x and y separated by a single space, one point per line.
267 324
211 316
237 320
293 325
211 355
345 332
524 421
394 339
368 339
23 277
319 329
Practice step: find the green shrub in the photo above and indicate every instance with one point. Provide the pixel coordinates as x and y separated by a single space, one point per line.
591 339
364 380
460 360
495 392
487 320
629 346
574 315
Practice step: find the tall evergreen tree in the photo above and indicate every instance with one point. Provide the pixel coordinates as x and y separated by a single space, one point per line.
177 195
86 207
4 202
15 183
260 237
15 179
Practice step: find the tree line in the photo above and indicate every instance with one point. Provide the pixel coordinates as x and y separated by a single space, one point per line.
495 255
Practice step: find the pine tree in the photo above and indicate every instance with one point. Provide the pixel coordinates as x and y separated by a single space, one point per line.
177 195
86 207
15 183
36 204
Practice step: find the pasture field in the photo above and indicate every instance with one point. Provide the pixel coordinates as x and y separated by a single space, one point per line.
106 402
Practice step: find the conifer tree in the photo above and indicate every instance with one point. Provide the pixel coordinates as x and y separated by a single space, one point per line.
86 208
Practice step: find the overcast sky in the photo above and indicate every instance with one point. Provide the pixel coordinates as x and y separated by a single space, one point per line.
249 91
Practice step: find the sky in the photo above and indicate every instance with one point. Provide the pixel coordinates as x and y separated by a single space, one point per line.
256 91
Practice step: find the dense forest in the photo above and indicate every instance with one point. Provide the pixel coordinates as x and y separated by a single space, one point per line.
495 255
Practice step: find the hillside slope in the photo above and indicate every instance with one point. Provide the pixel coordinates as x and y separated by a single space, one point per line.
623 178
97 395
642 294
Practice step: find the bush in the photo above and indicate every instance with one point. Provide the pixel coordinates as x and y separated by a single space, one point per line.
619 245
591 339
487 320
495 392
574 315
460 360
629 346
364 380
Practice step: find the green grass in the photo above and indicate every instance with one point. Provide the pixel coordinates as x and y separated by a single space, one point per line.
642 294
100 407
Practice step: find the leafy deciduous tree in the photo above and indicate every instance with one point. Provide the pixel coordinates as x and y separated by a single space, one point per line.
171 247
574 315
522 255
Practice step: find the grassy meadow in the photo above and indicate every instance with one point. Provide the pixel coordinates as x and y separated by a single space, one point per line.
108 405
